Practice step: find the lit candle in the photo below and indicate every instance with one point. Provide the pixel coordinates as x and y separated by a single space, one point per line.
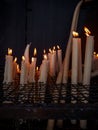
74 74
26 53
23 75
8 72
53 63
14 68
87 69
88 57
59 56
95 62
44 68
32 68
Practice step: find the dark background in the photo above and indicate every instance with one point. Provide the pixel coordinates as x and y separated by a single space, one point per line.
45 23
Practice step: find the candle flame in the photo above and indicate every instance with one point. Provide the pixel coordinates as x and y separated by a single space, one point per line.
58 47
94 53
35 51
9 51
37 68
45 57
15 59
87 31
75 34
18 70
32 59
54 48
44 51
50 50
23 58
97 55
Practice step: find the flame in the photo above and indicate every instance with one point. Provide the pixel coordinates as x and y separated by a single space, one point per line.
54 48
35 51
44 51
45 57
32 59
94 53
9 51
50 50
15 59
87 31
18 70
58 47
75 34
37 68
23 58
97 55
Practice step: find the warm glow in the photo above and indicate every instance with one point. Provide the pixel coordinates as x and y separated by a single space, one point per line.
54 48
23 58
94 53
50 51
37 68
87 31
97 55
45 57
35 51
75 34
15 59
18 70
44 51
58 47
32 59
9 51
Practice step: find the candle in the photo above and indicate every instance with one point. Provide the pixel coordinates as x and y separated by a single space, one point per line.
53 63
95 62
44 68
8 72
14 68
59 56
88 57
87 69
32 67
74 75
26 53
23 75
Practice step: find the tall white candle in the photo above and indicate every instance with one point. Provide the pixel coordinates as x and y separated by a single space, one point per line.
87 69
8 72
74 74
59 57
14 68
53 63
44 70
31 76
23 75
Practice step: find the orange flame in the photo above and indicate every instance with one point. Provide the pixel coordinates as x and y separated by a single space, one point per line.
35 51
15 59
32 59
58 47
9 51
50 50
87 31
45 57
75 34
23 58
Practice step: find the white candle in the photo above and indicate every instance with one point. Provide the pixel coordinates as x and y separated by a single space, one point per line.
23 75
75 48
88 59
53 63
31 76
59 57
26 53
79 62
14 68
44 70
8 72
74 74
87 69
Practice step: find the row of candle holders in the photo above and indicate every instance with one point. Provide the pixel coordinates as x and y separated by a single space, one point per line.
50 93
